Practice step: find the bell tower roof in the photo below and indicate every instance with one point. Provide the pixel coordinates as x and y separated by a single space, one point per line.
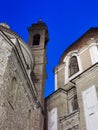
38 34
39 25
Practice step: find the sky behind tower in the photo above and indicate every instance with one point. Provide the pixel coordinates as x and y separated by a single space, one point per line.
67 20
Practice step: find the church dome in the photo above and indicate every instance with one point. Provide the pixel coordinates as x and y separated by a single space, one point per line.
82 41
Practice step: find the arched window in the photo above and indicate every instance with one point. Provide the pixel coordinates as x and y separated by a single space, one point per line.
73 66
36 39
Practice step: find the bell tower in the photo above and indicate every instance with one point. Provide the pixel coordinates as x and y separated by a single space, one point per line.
38 38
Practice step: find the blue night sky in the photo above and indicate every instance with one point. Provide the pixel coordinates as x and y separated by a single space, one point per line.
66 21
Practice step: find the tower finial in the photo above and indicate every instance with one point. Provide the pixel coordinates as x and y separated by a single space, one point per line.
40 20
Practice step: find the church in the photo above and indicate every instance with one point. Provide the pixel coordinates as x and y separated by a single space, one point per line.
74 103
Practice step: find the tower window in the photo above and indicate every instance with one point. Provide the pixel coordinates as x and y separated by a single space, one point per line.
73 66
36 39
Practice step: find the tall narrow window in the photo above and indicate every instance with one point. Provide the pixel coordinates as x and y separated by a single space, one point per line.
12 93
75 103
73 66
36 39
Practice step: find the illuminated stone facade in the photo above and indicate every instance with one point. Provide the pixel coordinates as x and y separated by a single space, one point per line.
76 86
22 78
73 105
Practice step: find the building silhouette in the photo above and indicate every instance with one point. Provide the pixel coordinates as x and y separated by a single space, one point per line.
73 105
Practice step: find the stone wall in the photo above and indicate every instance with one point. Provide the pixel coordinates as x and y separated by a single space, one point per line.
83 82
16 101
56 101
